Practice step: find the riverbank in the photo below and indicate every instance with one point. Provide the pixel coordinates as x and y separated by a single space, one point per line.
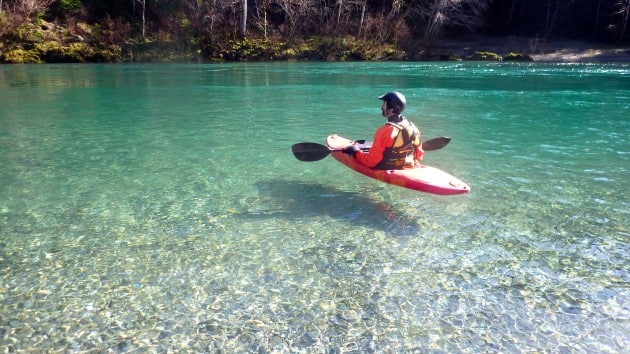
49 43
538 49
601 55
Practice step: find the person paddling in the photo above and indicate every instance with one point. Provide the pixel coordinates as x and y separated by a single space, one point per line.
397 144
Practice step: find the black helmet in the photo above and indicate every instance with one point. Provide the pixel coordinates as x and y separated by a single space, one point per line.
395 101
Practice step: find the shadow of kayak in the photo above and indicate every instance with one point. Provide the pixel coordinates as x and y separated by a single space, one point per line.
296 200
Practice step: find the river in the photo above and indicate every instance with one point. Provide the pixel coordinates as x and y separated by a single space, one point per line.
159 208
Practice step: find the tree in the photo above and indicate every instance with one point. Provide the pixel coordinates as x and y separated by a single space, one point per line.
435 15
339 10
350 10
243 19
17 12
623 10
296 14
265 4
143 4
554 12
29 7
204 16
363 5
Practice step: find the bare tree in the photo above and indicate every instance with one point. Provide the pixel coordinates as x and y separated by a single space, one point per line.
243 19
342 17
342 8
339 10
265 24
29 7
397 6
623 9
204 16
559 9
596 25
363 5
439 13
16 12
143 3
295 12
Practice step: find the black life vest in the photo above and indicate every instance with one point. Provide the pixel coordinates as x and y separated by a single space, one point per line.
402 153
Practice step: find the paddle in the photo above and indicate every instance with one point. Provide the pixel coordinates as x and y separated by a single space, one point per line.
309 152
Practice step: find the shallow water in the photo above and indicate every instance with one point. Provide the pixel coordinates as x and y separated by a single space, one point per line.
159 207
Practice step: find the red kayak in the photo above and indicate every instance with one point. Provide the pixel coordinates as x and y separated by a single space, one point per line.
422 178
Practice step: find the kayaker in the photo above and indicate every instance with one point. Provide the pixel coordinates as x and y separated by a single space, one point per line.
397 144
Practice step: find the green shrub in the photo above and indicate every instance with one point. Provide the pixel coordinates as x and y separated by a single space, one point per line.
20 56
486 56
4 23
517 57
69 5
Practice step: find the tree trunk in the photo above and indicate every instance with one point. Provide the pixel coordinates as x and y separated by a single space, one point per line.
144 19
339 7
596 25
510 16
625 11
363 8
143 3
547 17
554 18
243 23
265 4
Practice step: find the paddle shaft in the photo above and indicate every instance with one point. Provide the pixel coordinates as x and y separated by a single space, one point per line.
309 152
429 145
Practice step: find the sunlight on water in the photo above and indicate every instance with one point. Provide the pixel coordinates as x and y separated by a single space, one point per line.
159 208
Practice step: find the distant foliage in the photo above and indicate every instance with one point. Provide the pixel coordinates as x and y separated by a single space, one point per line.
210 27
430 19
69 5
601 20
211 20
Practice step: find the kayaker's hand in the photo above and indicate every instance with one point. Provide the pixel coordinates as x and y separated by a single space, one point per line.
351 150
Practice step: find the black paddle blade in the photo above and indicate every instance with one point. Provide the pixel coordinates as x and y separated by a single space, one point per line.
308 152
436 143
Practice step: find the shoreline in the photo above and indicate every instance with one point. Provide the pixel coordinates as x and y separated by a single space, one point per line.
585 56
461 48
539 49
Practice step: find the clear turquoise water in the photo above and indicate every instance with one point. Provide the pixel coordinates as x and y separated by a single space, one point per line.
159 208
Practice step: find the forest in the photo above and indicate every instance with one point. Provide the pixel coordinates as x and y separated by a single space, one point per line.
35 31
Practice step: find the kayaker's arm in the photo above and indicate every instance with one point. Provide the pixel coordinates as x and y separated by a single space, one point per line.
382 139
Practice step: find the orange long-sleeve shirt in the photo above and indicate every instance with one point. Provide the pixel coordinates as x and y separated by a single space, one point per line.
383 138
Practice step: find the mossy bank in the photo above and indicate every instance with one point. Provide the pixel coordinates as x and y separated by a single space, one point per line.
45 42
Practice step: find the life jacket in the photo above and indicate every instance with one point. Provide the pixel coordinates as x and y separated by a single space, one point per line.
402 153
